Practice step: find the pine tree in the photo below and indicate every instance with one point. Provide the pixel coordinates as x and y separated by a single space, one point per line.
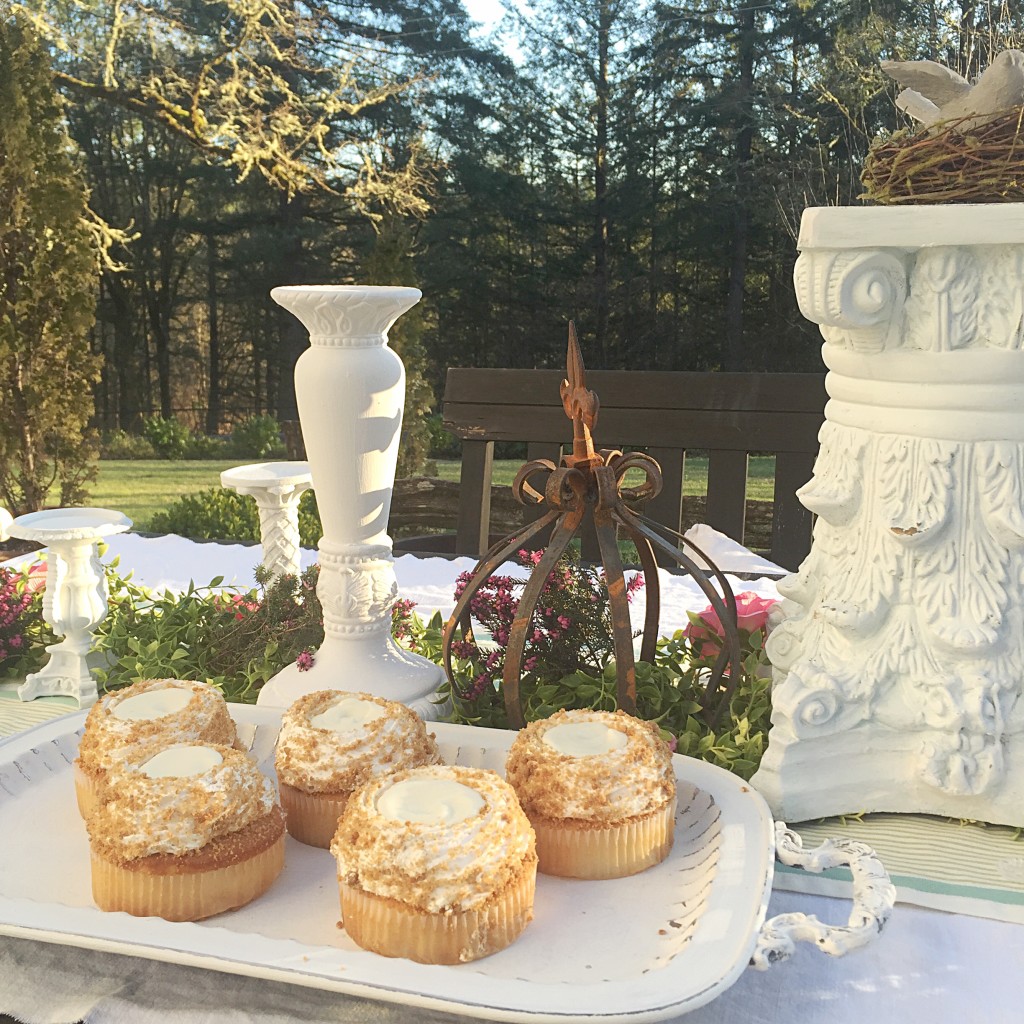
48 278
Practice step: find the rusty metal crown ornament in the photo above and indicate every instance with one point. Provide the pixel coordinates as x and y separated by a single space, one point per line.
590 483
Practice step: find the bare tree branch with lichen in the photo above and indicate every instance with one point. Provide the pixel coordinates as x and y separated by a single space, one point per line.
268 88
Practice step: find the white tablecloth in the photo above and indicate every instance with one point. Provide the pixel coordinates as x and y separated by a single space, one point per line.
926 967
173 562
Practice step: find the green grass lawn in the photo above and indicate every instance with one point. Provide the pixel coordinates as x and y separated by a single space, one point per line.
142 487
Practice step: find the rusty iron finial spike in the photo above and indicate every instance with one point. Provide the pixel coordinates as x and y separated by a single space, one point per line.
581 405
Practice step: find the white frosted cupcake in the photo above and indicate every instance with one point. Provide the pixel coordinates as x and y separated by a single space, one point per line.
599 790
330 743
150 713
185 832
436 864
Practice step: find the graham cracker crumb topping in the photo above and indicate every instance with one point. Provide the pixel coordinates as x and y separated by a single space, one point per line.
436 868
609 787
318 760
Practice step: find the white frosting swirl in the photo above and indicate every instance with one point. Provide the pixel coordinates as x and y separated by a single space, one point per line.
152 713
435 866
584 739
348 714
180 762
622 782
376 737
429 801
144 707
142 815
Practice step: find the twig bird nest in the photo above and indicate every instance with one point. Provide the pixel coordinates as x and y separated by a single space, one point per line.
958 161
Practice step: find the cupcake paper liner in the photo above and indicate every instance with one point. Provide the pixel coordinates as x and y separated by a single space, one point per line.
312 818
583 850
391 928
186 896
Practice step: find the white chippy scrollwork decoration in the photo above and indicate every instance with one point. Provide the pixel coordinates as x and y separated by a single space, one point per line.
856 294
901 650
356 593
873 899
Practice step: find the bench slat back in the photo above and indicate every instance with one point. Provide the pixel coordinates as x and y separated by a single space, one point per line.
667 413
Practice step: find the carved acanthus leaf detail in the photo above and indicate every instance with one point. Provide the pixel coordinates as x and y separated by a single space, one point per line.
1000 490
1001 318
915 486
834 491
857 591
942 307
962 587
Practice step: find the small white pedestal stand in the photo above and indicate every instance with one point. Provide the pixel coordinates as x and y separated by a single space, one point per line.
75 601
277 488
350 389
899 668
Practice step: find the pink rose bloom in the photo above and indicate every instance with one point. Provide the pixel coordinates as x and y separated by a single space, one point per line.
35 577
751 613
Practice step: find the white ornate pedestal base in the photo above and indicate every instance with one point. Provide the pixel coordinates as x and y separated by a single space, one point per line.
75 601
277 488
351 392
899 668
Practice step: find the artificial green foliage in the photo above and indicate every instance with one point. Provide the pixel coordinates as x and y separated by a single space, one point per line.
668 692
235 641
48 285
238 640
24 633
220 514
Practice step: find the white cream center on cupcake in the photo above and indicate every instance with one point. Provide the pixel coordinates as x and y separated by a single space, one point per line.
429 801
349 714
144 707
584 739
181 761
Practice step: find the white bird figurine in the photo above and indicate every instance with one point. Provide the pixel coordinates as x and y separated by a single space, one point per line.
935 93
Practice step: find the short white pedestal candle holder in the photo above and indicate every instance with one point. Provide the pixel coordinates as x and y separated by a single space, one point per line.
350 389
75 601
277 488
899 666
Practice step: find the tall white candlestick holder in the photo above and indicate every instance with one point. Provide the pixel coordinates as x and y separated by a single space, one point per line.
75 601
350 389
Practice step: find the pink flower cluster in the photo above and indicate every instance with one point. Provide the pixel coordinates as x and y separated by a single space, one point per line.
401 619
569 628
237 603
16 592
751 614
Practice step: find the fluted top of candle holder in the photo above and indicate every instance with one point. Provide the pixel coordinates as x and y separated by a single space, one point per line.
346 315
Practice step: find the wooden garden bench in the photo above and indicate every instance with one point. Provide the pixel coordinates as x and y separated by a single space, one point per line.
728 415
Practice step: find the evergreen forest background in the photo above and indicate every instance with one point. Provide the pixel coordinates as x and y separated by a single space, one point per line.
640 167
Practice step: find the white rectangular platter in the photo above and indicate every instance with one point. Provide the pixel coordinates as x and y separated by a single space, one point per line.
636 949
